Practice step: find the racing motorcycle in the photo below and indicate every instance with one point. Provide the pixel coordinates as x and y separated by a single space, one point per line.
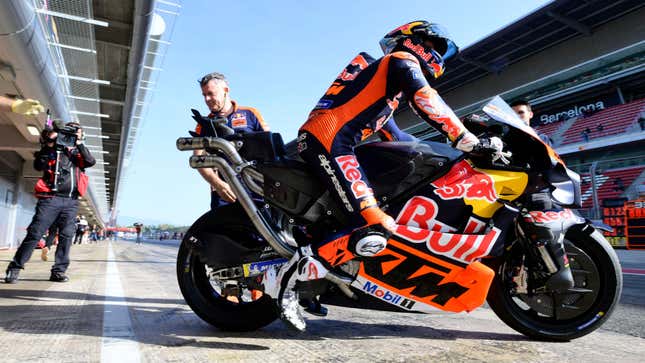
470 229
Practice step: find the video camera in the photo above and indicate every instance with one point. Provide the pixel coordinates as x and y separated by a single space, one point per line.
66 134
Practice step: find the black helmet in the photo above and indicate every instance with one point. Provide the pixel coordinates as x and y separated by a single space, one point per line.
412 38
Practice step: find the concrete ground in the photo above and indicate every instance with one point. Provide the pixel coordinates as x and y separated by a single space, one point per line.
123 304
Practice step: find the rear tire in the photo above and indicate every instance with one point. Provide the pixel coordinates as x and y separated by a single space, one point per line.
203 298
607 276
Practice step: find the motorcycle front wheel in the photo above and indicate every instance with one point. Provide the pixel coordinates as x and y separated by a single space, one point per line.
572 313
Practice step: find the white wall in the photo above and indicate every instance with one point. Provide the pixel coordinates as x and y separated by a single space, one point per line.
6 197
14 219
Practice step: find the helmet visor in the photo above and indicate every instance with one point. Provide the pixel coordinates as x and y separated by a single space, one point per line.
451 50
448 49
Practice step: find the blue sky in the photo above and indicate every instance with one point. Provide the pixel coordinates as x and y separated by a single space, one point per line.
279 57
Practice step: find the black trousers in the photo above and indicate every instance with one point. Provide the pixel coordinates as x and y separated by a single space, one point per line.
56 210
49 241
78 238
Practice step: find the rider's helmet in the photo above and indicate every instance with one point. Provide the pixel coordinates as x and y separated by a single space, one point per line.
428 42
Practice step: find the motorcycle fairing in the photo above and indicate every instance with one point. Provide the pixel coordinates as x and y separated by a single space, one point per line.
396 168
416 281
565 182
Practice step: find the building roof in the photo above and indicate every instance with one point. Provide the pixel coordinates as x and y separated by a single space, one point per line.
545 27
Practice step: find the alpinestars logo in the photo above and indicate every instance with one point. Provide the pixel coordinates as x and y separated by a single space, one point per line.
324 162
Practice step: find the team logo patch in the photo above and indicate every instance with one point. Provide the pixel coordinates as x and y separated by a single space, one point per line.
238 120
324 103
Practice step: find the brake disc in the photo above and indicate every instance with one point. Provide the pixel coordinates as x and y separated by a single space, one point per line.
576 300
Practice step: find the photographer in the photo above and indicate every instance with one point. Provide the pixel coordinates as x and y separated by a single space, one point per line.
63 159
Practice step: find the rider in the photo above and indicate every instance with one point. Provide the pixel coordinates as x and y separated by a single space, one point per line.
363 96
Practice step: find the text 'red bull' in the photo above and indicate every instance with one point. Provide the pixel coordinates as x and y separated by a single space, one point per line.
417 224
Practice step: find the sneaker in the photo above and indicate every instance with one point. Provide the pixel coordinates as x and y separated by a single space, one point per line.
11 276
58 277
43 253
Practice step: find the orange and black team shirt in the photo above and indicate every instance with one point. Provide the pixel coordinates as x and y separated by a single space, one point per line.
241 120
365 95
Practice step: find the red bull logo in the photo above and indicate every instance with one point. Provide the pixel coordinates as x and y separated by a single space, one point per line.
349 165
418 49
462 181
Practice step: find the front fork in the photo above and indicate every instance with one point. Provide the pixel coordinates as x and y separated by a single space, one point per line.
546 236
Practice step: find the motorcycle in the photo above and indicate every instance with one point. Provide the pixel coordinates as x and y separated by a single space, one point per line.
469 230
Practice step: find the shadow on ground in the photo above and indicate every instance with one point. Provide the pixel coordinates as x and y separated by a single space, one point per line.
170 323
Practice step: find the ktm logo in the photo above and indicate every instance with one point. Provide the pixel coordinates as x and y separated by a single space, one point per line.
405 275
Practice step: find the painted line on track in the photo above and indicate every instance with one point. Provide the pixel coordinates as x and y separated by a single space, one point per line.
119 342
634 271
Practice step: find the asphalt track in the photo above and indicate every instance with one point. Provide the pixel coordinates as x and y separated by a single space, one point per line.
123 304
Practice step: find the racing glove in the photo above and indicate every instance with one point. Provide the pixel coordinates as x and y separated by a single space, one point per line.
492 146
466 142
27 107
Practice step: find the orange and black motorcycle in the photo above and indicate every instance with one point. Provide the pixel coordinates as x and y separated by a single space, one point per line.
469 230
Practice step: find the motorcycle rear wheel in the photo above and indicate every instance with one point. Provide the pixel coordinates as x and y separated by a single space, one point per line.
206 301
598 281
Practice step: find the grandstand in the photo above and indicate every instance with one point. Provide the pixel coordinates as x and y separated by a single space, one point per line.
610 184
615 120
582 67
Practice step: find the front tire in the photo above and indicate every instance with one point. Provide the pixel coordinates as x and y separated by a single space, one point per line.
598 281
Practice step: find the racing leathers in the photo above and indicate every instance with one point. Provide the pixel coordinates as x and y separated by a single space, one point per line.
363 97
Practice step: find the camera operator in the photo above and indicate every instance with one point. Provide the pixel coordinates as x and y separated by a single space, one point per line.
62 159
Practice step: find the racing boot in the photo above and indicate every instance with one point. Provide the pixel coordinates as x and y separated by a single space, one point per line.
302 267
368 241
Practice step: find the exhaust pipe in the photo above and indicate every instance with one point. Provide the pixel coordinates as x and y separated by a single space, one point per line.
258 220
